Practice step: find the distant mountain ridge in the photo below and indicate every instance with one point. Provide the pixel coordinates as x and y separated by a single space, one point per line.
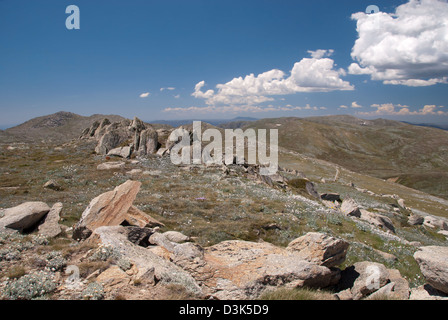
214 122
58 127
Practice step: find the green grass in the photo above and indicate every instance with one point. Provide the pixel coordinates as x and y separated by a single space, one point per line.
296 294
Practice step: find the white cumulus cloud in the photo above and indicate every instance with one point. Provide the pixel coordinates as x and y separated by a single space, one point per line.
145 95
408 47
315 74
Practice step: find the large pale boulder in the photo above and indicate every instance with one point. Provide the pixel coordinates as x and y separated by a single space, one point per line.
363 279
115 135
112 209
24 216
148 142
435 223
123 152
415 220
112 165
433 262
350 208
50 228
319 248
426 292
377 220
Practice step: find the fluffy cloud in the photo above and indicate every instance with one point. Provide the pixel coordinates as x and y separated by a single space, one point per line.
403 110
145 95
408 47
315 74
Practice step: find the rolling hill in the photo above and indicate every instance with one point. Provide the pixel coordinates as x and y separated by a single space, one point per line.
414 156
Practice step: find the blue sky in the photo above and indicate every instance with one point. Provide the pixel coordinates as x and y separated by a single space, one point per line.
182 59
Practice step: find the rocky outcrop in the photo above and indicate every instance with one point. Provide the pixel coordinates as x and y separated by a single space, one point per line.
320 249
241 269
433 262
330 197
123 138
24 216
112 209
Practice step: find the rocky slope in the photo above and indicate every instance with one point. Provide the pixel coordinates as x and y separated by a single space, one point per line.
80 224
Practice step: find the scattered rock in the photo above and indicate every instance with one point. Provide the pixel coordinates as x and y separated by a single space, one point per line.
401 203
332 205
320 249
435 223
350 208
443 232
112 209
415 220
401 288
162 151
150 266
113 278
311 189
386 256
378 220
148 142
134 172
53 185
363 278
426 292
123 152
112 165
330 197
50 228
176 237
433 262
24 216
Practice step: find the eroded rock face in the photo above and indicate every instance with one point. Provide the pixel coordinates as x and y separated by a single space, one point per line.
24 216
433 262
112 209
320 249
